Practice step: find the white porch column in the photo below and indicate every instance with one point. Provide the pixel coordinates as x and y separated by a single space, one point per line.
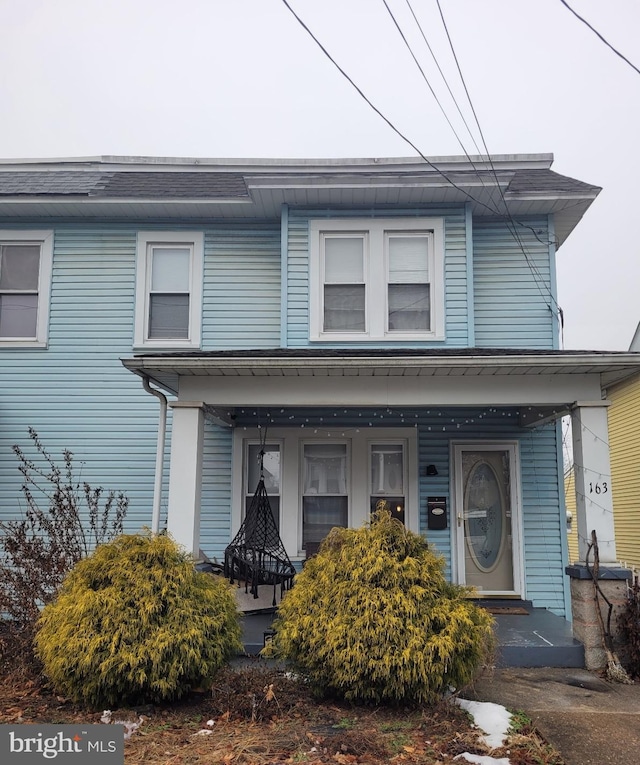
185 476
594 503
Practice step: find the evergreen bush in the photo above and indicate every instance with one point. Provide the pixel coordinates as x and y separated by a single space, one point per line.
135 623
371 618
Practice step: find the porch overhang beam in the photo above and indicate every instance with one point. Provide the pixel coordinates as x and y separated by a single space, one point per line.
559 378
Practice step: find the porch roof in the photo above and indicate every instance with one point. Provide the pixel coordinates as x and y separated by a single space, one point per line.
166 369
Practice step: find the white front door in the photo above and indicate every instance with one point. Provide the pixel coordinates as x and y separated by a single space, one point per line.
487 518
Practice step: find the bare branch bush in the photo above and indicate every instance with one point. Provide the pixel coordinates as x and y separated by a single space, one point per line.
63 520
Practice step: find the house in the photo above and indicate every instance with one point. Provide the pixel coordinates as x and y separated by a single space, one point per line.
384 329
624 440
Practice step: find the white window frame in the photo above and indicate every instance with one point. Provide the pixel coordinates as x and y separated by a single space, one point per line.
145 241
346 442
402 443
44 238
359 442
376 270
250 490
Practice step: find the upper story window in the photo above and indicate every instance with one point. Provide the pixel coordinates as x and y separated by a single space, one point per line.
377 279
25 283
169 288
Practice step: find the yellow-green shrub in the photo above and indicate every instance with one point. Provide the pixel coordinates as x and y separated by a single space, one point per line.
372 618
134 622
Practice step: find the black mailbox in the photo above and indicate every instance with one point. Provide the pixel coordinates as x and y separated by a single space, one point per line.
436 513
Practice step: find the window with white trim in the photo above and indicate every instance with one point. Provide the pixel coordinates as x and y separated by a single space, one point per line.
317 483
25 283
377 279
169 289
325 491
270 462
387 472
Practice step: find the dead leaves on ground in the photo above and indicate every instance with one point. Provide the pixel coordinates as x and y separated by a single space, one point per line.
262 717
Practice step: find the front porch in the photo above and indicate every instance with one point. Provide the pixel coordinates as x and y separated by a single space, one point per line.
527 636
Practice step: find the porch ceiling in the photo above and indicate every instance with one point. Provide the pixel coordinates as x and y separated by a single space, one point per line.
167 369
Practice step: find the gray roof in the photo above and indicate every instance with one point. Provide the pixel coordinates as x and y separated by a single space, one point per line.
139 189
219 185
547 182
123 185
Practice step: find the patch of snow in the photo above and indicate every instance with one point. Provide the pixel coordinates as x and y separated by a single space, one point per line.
483 759
493 719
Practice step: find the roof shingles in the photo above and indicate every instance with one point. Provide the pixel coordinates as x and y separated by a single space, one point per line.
124 185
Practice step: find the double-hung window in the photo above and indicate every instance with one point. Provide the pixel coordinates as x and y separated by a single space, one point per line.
388 481
169 289
377 279
325 492
267 457
25 283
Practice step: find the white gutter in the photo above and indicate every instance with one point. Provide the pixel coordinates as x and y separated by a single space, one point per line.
162 431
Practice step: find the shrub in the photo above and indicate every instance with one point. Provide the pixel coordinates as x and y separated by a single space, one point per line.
135 622
63 520
629 621
372 618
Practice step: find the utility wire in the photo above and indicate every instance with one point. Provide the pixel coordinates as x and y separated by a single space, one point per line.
489 190
595 32
437 100
396 130
535 272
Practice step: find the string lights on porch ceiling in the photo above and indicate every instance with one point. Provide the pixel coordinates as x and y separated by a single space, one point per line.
328 423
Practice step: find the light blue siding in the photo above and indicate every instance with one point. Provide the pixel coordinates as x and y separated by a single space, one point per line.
215 525
76 393
242 287
78 396
456 304
514 306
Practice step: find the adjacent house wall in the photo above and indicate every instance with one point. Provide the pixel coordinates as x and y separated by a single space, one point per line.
570 503
624 440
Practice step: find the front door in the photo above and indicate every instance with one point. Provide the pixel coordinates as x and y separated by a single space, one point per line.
487 518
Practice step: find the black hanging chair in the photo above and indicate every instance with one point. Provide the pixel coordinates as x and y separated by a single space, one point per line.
256 555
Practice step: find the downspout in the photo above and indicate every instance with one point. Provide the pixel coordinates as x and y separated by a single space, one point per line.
162 431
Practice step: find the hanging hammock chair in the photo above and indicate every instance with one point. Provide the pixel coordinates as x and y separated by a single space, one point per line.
256 555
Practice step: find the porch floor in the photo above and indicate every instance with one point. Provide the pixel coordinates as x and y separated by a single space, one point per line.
537 639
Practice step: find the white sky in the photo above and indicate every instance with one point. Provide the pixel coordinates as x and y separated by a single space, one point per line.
240 78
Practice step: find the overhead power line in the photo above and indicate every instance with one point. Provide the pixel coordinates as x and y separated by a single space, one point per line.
512 224
396 130
595 32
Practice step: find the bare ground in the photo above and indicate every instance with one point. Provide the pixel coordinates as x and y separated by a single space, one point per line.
261 716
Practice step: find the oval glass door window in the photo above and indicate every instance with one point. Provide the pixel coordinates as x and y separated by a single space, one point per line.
484 516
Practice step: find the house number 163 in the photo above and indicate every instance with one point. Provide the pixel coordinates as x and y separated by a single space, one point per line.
598 488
